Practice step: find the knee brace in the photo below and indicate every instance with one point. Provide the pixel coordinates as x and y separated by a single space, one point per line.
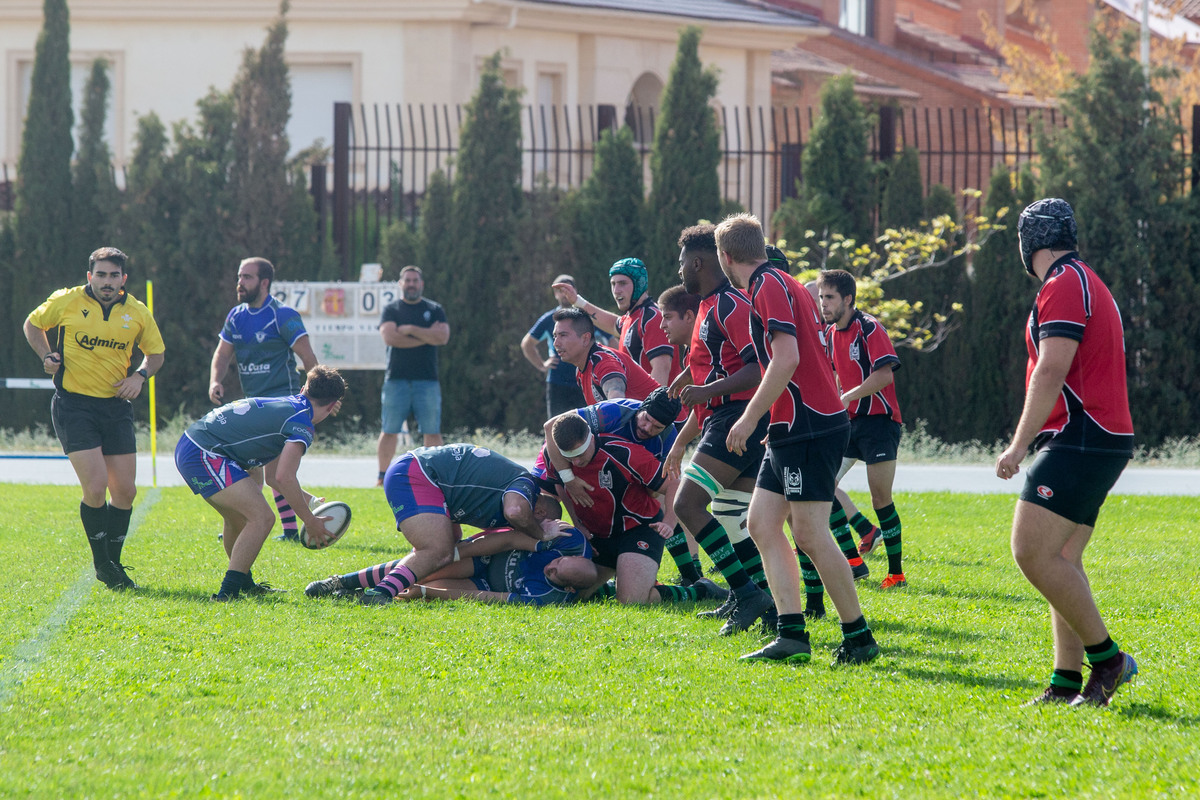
731 509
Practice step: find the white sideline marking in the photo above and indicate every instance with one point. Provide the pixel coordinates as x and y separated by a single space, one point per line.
27 655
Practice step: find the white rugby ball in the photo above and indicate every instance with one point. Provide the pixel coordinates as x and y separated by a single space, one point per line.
336 526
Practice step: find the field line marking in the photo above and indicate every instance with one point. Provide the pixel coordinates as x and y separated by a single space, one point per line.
28 654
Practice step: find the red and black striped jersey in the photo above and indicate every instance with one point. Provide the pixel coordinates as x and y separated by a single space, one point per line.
622 475
810 405
1092 411
604 363
856 351
640 334
721 343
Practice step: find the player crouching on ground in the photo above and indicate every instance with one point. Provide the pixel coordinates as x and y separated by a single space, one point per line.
624 518
497 566
216 454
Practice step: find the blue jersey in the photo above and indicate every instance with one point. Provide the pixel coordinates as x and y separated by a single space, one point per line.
543 331
262 340
474 481
253 431
619 418
522 573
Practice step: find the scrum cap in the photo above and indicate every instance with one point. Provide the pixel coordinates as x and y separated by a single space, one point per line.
635 270
663 408
1048 224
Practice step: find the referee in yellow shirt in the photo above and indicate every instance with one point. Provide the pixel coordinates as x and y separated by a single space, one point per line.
99 324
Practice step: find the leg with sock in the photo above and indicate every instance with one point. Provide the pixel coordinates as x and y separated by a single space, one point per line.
287 518
814 588
845 541
868 534
677 546
889 526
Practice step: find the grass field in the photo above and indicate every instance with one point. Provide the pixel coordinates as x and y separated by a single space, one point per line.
162 693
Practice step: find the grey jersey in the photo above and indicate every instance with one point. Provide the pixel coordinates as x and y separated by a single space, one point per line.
253 431
474 481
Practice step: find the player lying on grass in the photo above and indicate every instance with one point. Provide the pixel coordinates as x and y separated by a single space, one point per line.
432 491
217 453
496 566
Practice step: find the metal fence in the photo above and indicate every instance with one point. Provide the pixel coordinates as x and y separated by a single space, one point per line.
384 155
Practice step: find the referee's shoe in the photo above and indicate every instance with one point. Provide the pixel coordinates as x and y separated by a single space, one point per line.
113 575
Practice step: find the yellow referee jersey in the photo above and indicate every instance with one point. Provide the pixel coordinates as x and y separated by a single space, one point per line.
96 345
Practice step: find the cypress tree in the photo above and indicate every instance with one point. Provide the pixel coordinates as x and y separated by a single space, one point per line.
479 258
684 159
609 213
836 164
1118 166
95 194
901 206
44 177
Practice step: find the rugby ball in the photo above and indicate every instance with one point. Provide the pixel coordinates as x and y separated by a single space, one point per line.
336 526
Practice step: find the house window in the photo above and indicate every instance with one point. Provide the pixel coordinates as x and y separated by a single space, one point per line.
858 16
548 116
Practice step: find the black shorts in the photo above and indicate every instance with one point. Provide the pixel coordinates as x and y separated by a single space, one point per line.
1072 484
805 471
716 431
83 423
874 439
642 540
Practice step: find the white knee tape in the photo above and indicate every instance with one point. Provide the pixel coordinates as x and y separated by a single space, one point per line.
730 508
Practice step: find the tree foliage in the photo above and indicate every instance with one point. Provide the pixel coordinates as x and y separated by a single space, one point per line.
901 205
609 212
95 193
683 163
1118 166
43 206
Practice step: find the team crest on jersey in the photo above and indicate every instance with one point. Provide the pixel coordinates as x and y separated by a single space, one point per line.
606 480
855 350
704 329
427 316
793 478
261 336
1045 492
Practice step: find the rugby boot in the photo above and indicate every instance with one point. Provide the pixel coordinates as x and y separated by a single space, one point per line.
789 651
259 589
113 575
374 597
868 543
894 582
1104 682
748 610
1050 697
722 611
331 585
709 590
859 650
859 569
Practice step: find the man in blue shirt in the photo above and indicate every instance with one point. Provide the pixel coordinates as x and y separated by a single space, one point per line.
562 390
265 337
216 454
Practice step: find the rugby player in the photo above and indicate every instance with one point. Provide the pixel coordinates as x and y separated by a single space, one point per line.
603 373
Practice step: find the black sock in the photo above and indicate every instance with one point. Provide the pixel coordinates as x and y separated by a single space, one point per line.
678 548
858 627
118 529
95 525
233 583
747 553
791 626
889 528
1066 682
814 589
1104 654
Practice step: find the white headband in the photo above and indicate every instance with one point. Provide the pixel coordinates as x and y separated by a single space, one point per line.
578 451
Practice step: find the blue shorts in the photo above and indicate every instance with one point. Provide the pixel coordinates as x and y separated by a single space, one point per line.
206 473
410 492
420 398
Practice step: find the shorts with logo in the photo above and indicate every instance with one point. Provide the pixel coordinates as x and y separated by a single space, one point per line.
423 399
409 492
83 422
479 577
643 540
1072 484
874 439
716 431
205 473
804 471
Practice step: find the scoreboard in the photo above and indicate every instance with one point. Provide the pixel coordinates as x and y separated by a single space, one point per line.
342 319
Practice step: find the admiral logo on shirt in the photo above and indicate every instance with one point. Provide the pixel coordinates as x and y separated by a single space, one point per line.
92 342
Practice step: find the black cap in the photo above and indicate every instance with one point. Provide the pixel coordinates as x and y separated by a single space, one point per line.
663 408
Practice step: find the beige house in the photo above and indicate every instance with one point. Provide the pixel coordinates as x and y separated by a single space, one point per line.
165 54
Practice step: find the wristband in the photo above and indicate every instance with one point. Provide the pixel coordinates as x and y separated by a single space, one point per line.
566 475
456 555
580 302
142 371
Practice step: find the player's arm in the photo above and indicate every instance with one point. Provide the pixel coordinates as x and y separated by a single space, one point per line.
519 513
605 320
456 590
745 378
302 347
1045 386
529 349
673 463
40 343
613 387
660 369
681 382
222 357
490 543
286 482
785 357
877 381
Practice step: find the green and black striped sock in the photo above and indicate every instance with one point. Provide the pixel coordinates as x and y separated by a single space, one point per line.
814 589
1103 654
688 567
862 526
889 528
715 541
677 594
841 532
791 626
1066 682
747 553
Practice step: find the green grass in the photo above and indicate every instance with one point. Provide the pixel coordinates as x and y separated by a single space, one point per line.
161 693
